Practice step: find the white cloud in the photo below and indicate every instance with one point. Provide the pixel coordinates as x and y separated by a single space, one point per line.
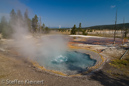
113 6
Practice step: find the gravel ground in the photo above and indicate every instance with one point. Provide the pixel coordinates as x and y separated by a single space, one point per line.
14 68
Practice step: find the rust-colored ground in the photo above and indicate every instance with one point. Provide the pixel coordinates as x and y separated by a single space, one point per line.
100 41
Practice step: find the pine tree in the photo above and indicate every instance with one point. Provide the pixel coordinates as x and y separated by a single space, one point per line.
27 21
4 28
35 23
12 21
79 25
79 29
26 15
12 16
73 31
43 27
19 15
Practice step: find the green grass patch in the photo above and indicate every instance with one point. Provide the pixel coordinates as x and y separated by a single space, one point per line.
121 67
120 63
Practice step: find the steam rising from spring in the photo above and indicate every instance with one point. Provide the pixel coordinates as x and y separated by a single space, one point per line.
48 50
35 46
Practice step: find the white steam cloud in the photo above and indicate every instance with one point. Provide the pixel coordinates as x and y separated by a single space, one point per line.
45 46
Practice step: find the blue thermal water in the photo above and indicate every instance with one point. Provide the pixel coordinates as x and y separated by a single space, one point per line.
70 62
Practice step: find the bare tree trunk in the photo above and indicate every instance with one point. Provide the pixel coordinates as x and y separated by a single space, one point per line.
123 31
115 28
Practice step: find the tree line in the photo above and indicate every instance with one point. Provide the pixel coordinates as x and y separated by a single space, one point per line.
78 30
74 30
32 25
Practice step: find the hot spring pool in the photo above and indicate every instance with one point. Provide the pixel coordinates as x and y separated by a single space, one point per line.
70 62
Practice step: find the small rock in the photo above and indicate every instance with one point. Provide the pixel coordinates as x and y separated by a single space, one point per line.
1 49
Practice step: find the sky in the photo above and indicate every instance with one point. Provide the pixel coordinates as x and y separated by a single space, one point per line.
66 13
